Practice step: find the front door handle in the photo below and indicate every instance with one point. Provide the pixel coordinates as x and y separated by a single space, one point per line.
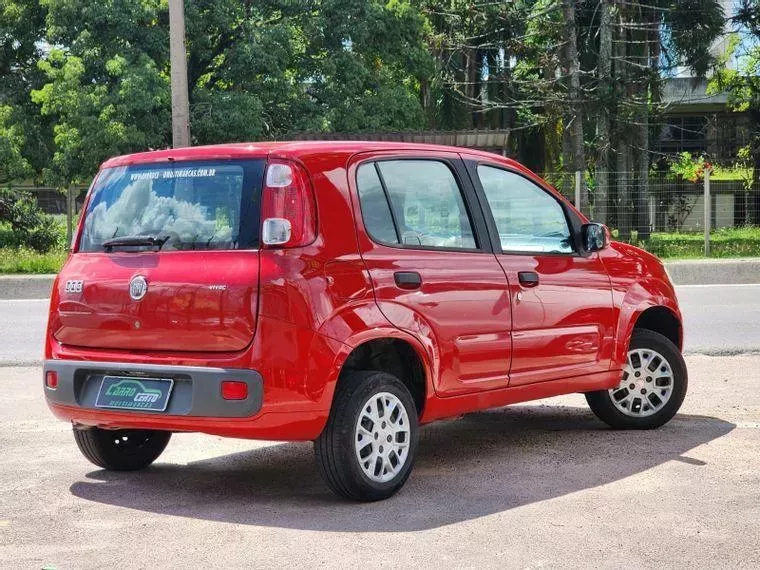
528 278
408 280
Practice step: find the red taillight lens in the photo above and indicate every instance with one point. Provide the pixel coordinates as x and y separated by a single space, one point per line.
287 206
51 379
234 390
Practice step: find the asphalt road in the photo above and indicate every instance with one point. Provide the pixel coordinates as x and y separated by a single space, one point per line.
543 485
719 319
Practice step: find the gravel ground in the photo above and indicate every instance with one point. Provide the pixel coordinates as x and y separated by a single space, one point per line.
542 485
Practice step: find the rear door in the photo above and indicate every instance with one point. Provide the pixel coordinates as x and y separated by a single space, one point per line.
562 312
432 266
197 291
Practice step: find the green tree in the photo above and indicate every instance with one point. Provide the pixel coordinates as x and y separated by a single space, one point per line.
256 70
25 139
364 64
742 83
107 90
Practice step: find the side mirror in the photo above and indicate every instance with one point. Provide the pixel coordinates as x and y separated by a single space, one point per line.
595 236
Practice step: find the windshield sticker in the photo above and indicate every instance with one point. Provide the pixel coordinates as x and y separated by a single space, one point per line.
181 173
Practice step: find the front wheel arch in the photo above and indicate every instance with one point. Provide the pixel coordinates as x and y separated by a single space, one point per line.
663 321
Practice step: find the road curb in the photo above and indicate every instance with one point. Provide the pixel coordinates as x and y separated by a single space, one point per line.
714 271
26 286
685 272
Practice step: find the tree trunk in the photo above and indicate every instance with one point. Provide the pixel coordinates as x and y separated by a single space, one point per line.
623 191
601 195
753 211
642 188
574 112
753 203
623 186
641 210
568 175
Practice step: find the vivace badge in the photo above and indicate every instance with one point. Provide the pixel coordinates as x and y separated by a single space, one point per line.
125 393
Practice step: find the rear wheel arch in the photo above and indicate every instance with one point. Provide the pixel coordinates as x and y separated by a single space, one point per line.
394 356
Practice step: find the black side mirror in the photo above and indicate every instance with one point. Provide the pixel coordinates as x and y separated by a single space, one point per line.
595 236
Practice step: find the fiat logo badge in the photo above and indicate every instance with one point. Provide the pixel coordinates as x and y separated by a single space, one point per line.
138 286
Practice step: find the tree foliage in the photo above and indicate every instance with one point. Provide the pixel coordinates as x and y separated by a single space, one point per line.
82 80
25 137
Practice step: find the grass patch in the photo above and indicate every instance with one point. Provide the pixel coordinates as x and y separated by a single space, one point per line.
17 258
729 242
23 260
732 173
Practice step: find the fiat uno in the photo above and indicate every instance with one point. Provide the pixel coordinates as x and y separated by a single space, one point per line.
345 294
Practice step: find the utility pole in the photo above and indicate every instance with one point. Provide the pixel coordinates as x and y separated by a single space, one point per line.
180 104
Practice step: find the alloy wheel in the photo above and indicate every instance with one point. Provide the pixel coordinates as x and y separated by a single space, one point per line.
381 437
646 386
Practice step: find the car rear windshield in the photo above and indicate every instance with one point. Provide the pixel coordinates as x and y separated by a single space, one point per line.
197 205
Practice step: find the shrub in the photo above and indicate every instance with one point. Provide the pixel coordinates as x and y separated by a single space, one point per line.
25 224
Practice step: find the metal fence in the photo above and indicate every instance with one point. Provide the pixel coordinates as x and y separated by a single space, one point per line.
661 204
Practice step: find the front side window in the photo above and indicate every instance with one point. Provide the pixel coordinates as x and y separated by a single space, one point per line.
528 218
428 208
187 205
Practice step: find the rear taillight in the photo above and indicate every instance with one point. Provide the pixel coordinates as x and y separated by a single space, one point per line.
287 206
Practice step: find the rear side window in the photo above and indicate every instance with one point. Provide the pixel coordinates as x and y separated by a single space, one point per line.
198 205
375 209
428 208
527 217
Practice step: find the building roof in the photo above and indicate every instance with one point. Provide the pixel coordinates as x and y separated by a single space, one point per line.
690 93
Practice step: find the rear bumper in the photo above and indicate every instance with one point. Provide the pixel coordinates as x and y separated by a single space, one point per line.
196 393
201 409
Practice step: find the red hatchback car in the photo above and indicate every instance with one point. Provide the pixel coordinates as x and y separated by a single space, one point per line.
344 293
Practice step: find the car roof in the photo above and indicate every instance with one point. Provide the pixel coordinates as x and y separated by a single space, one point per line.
285 149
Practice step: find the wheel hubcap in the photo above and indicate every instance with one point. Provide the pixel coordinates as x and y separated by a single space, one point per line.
646 386
381 438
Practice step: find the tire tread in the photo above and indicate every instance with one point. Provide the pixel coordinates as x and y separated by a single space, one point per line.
94 445
334 457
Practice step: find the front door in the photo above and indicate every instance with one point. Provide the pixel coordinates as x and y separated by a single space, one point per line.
562 311
432 266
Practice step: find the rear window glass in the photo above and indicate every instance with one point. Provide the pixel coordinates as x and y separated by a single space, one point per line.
191 205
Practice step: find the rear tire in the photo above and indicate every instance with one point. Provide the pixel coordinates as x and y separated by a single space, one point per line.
652 388
367 449
121 449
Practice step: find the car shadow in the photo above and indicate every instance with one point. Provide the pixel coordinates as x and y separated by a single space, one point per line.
481 464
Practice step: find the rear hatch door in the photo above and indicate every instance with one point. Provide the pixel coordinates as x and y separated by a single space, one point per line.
167 259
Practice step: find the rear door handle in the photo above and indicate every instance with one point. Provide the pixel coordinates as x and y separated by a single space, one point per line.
528 278
408 280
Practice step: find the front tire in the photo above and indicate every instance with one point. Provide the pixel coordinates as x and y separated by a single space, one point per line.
367 449
652 388
121 449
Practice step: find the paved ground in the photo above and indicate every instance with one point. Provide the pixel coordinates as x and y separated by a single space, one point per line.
720 319
537 486
22 330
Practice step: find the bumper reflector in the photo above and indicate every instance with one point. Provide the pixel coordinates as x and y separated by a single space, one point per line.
51 379
234 390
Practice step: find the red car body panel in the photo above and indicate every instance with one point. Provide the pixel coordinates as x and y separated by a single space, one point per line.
461 312
296 315
181 311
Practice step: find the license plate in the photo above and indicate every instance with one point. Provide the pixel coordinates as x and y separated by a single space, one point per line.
127 393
